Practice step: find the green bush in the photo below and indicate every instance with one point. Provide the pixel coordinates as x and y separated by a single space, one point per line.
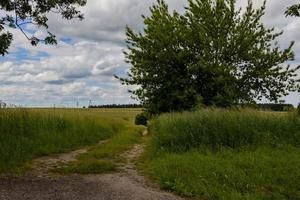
141 119
217 128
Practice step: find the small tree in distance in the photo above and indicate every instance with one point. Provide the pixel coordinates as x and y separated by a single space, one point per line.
211 52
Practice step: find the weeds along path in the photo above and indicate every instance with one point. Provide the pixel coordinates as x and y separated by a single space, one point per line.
124 184
42 167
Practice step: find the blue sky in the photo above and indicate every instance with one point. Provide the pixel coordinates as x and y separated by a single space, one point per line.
81 67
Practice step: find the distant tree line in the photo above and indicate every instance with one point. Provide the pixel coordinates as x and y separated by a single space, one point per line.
117 106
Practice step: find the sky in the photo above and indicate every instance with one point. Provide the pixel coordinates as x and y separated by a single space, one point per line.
89 52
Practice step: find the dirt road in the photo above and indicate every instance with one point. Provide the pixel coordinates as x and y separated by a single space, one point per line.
126 184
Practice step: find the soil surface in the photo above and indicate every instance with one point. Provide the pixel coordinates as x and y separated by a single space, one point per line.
40 184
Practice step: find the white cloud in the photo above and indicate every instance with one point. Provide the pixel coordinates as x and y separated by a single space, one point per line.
83 69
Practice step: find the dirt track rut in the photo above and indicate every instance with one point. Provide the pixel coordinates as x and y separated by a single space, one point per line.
126 184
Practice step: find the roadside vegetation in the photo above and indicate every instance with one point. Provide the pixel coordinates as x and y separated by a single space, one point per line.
225 128
104 157
28 133
226 154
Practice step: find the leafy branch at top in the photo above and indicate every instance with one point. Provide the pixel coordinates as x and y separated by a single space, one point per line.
293 10
19 13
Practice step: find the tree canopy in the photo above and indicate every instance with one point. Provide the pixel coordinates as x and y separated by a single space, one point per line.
18 13
213 54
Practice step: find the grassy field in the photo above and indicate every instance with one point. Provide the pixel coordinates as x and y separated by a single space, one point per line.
29 133
226 154
207 154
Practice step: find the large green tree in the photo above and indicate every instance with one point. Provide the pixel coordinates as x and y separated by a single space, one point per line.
18 13
159 61
212 52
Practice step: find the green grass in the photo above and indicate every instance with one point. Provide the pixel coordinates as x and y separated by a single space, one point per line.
104 157
215 128
87 166
265 173
226 154
28 133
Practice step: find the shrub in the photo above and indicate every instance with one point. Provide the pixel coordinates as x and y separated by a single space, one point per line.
141 119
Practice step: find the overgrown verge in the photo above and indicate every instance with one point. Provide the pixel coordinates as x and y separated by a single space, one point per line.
104 157
226 154
28 133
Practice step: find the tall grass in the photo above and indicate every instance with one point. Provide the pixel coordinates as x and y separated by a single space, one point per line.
27 133
225 128
264 173
226 154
